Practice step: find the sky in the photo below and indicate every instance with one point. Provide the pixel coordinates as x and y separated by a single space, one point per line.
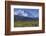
26 12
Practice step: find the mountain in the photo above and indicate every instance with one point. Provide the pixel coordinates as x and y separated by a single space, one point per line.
16 17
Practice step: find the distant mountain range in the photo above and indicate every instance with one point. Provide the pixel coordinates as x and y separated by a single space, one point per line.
16 17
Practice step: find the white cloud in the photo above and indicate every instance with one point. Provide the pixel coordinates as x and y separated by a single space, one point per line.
21 13
25 14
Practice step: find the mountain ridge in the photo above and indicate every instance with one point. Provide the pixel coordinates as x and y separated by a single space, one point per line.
16 17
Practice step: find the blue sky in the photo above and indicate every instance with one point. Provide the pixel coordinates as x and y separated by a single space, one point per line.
26 12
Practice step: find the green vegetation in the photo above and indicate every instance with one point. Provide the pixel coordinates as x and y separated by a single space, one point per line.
26 23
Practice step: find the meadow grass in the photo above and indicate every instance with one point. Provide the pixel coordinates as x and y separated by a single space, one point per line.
32 23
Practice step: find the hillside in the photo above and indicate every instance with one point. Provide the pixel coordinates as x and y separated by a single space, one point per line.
16 17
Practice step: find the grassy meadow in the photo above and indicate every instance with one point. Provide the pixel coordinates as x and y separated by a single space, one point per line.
32 23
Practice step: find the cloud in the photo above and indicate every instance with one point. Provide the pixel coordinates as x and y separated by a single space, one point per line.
20 13
27 12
